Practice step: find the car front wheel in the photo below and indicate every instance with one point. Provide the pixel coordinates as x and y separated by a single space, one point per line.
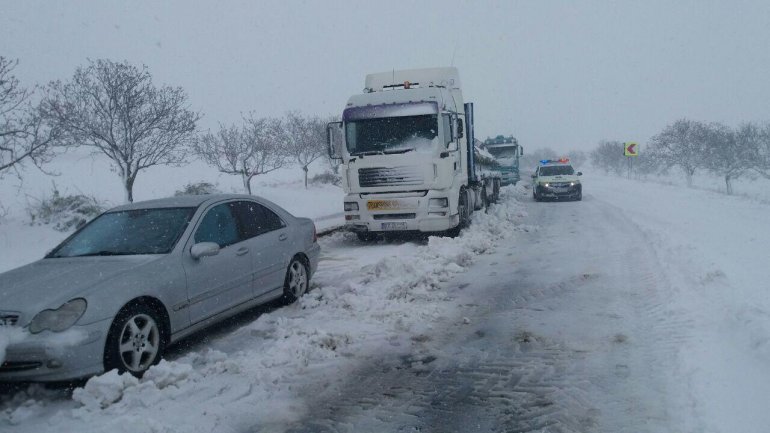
135 341
296 282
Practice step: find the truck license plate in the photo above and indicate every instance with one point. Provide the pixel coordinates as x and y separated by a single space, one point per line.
394 226
382 204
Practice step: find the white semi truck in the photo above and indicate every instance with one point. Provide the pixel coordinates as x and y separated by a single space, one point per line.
406 151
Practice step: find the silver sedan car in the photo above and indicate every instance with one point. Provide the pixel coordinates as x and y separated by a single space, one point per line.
141 276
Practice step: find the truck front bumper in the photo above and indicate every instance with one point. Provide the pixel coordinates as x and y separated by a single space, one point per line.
398 213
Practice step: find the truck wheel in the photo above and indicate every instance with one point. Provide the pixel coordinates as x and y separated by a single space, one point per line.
484 199
366 236
463 210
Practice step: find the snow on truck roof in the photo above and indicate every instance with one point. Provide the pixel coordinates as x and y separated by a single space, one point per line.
427 77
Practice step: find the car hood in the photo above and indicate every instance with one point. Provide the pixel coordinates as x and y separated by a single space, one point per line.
48 283
559 178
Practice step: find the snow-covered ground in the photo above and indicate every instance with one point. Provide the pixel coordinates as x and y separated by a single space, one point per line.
78 172
643 308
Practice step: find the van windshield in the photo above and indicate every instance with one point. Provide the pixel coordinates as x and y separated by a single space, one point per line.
556 170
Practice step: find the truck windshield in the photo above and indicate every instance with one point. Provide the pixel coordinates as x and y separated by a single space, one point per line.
392 134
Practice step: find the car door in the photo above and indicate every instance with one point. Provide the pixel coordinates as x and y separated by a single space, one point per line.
268 240
217 283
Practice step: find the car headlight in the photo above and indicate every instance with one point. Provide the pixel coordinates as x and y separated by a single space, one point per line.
59 319
351 206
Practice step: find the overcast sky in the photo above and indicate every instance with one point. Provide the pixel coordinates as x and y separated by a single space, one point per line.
560 74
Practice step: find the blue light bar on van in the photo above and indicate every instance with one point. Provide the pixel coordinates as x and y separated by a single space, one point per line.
551 161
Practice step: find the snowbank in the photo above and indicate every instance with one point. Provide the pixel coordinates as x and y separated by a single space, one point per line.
368 299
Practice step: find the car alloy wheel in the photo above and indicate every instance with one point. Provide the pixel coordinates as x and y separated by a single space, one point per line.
296 281
135 342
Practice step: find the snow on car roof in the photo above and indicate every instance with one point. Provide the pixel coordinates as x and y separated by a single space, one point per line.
180 201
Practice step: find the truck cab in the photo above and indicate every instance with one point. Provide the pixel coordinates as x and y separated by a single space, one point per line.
404 153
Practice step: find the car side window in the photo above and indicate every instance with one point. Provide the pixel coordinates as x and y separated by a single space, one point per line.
218 226
256 219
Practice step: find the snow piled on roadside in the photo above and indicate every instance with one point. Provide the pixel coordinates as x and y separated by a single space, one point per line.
368 300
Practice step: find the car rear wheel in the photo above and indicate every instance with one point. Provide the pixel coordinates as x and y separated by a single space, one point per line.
296 282
135 341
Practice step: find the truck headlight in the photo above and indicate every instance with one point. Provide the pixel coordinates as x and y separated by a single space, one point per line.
351 206
59 319
438 202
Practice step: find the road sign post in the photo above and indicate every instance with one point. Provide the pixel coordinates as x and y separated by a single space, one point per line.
630 149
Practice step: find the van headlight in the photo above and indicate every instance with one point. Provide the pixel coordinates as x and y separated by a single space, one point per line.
351 206
59 319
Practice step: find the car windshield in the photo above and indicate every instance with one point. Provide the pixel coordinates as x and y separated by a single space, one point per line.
141 231
392 134
556 170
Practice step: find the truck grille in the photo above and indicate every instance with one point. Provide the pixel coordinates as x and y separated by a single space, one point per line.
395 176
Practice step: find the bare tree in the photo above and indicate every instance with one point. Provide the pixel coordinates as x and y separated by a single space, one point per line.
305 139
532 158
24 135
762 165
682 144
608 156
731 154
248 151
117 110
577 158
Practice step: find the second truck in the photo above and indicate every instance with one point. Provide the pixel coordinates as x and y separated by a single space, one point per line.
407 160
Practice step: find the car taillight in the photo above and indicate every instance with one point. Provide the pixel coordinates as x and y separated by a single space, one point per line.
315 235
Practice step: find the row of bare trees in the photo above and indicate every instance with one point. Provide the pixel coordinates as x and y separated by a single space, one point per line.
692 146
260 145
116 110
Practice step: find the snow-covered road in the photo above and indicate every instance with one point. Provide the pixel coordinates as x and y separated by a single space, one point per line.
642 308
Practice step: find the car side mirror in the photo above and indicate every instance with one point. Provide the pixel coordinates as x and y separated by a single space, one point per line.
580 173
204 249
534 176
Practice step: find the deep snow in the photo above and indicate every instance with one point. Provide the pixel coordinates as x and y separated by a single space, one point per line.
641 308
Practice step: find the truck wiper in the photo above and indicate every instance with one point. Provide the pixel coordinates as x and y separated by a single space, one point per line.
390 152
368 152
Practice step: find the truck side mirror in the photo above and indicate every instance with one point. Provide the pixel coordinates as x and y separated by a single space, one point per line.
334 139
460 131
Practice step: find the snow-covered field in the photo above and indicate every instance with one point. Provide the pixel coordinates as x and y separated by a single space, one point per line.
78 172
642 308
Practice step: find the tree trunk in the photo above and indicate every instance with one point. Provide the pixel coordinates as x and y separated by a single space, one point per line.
129 185
729 184
688 174
305 170
246 182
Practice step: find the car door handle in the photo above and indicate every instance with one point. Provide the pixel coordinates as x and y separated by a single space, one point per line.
241 251
283 237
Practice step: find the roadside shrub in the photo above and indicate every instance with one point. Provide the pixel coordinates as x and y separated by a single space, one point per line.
198 188
65 212
326 177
